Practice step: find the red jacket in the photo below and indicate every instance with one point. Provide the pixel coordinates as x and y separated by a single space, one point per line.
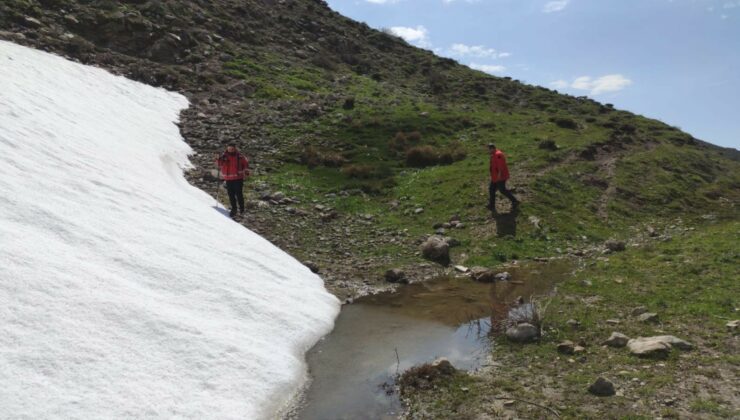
499 170
233 166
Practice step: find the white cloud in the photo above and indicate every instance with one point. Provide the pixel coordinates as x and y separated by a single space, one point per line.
488 68
555 6
417 36
475 51
599 85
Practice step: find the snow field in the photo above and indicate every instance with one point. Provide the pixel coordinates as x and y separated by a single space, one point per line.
124 292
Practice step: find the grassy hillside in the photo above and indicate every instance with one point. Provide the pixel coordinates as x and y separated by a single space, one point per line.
369 129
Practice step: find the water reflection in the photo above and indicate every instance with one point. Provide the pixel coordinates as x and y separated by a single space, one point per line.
379 336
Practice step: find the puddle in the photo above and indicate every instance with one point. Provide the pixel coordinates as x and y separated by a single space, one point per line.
382 335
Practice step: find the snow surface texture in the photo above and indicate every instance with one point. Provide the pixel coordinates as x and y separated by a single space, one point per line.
124 291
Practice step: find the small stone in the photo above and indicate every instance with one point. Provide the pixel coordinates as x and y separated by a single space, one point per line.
586 283
733 325
461 269
312 266
482 274
523 333
573 323
503 276
615 245
566 347
419 210
639 310
648 347
32 22
579 349
651 317
395 275
436 249
602 388
613 321
617 340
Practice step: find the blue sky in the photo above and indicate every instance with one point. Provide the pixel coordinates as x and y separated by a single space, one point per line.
674 60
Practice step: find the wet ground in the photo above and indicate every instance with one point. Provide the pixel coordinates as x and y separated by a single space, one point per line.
380 336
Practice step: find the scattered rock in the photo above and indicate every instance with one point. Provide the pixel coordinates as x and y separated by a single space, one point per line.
566 347
733 325
436 249
395 275
311 266
503 276
639 311
419 210
651 317
523 333
615 245
613 321
482 274
602 388
586 283
461 269
617 340
573 323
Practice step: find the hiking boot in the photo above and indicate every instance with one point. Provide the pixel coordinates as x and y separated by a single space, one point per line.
232 213
241 212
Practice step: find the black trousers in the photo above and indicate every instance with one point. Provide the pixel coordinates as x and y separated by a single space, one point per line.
236 194
500 186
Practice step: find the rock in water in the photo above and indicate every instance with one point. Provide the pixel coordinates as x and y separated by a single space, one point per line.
617 340
602 388
436 249
482 275
523 333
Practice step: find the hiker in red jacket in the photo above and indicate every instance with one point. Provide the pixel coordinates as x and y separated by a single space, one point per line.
234 167
499 176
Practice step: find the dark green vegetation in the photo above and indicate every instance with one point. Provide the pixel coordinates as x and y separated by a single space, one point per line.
361 130
691 281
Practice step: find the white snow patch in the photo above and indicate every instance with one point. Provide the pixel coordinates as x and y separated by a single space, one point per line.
124 292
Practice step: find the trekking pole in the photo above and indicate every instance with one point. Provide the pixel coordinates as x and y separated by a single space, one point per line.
218 183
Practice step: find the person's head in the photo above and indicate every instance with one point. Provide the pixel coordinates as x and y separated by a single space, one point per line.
491 147
231 147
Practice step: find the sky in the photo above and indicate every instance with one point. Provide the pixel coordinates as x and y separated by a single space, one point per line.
674 60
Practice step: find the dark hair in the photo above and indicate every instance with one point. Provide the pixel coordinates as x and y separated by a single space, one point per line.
231 145
491 146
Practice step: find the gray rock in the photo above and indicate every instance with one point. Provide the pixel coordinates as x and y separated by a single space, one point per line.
574 324
482 274
436 249
395 275
733 325
523 333
419 210
566 347
602 388
648 317
312 266
615 245
617 340
656 346
503 276
639 310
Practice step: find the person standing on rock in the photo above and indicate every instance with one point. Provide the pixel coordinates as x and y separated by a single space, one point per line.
234 168
499 176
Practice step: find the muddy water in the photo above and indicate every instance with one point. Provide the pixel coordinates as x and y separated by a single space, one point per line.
378 336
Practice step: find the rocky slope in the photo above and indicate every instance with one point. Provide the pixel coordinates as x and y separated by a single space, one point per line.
331 113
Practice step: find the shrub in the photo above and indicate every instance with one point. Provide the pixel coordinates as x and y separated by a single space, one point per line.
312 158
402 141
365 171
423 156
563 122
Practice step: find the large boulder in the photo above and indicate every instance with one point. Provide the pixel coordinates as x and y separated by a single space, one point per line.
523 333
657 346
436 249
617 340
